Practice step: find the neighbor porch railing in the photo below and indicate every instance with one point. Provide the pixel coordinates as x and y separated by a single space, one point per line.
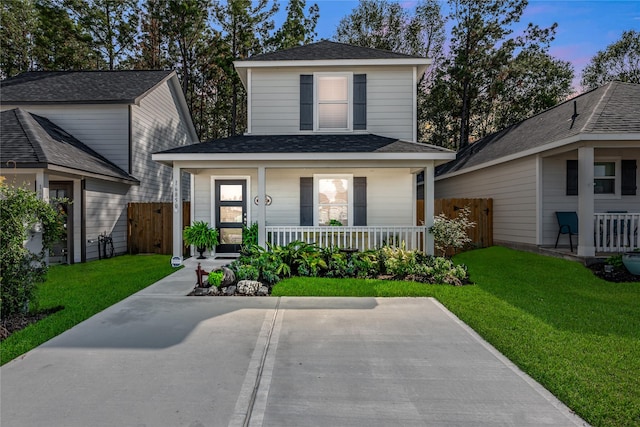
361 238
616 232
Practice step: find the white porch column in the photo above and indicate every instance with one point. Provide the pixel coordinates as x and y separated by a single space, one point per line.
262 206
177 211
429 195
42 185
585 202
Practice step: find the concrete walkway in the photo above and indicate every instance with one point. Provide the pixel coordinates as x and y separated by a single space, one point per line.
159 358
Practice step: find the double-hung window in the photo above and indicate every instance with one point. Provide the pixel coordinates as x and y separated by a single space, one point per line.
333 199
333 101
606 177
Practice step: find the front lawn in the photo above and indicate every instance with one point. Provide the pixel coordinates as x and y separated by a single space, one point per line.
84 290
576 334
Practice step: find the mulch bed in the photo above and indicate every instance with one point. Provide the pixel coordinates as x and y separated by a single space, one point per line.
20 321
618 275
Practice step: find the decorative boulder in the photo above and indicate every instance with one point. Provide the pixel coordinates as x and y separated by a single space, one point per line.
263 291
230 290
248 287
229 277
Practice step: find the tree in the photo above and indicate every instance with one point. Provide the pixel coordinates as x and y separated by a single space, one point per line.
485 75
21 211
113 25
618 61
245 26
381 24
59 43
297 28
17 19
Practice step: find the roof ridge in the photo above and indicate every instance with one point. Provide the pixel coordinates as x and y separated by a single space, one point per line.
33 139
604 98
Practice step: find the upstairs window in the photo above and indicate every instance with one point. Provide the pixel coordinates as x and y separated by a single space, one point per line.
333 102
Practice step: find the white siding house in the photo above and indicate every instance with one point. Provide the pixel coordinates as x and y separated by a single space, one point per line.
331 138
580 156
114 117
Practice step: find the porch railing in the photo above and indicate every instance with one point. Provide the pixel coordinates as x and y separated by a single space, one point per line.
616 232
361 238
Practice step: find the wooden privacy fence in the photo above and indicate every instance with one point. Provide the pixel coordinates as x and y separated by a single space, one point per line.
150 227
481 213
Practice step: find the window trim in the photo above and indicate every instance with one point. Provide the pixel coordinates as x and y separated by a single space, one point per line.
617 178
316 101
316 195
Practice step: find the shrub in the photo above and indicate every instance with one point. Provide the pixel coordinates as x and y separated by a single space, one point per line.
451 233
398 262
200 235
247 272
366 264
20 211
215 278
615 261
250 235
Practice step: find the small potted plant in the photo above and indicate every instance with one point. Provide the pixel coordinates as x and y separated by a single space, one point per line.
631 261
200 235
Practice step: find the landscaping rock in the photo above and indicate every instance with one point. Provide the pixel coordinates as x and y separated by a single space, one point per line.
248 287
214 291
198 291
263 291
230 290
229 277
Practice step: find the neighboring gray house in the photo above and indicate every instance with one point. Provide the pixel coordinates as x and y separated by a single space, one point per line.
579 156
331 137
89 135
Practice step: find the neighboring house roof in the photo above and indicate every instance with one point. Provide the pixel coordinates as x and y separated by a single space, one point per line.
339 143
32 141
612 111
324 50
329 54
80 87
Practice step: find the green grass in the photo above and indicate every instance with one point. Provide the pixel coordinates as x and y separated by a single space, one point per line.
84 290
576 334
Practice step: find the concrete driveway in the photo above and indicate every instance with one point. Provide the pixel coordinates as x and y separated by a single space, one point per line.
159 358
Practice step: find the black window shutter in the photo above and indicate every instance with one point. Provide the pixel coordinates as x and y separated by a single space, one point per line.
306 201
572 177
306 102
359 200
628 177
359 102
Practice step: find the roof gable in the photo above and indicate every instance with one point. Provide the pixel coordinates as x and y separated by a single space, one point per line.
33 141
610 109
80 87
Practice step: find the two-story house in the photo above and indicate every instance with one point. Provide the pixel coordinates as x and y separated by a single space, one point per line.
88 136
331 140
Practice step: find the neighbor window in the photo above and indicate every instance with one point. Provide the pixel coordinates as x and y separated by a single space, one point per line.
333 199
333 103
604 174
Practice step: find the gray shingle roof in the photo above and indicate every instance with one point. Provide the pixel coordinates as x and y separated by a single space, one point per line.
347 143
79 87
324 50
33 141
610 109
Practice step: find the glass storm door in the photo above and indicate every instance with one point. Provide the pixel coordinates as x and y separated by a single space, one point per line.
62 250
231 213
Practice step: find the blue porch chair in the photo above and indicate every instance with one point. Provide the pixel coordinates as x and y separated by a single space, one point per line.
568 223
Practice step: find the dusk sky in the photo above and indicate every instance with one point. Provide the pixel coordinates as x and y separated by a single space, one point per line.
584 27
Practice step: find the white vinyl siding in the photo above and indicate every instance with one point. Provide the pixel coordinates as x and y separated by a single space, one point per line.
156 126
104 128
106 211
275 100
512 186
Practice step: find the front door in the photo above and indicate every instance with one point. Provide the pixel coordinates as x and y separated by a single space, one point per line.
62 250
231 213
